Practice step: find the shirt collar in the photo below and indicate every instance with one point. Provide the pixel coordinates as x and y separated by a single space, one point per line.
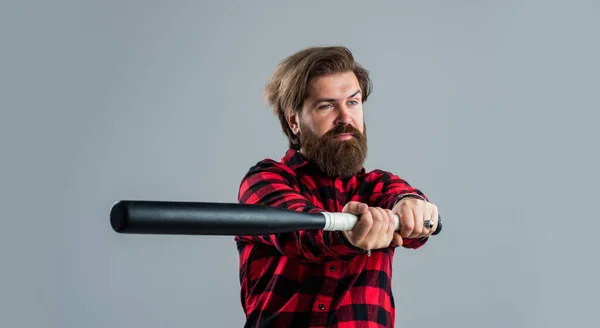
294 159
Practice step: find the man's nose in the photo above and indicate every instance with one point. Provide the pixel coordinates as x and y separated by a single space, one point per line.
343 116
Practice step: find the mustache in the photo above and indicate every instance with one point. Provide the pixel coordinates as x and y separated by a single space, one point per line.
345 128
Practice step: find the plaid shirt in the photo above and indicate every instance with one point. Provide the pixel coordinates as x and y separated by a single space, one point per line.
316 278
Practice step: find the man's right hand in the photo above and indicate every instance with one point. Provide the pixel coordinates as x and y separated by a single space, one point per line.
374 228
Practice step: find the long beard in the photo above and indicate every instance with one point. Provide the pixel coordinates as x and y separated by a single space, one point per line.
336 158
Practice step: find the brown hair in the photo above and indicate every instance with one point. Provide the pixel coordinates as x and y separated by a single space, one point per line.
286 90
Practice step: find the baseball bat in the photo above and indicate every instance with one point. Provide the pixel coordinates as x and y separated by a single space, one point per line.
210 218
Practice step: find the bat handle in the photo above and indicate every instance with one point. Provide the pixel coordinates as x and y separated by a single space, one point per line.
335 221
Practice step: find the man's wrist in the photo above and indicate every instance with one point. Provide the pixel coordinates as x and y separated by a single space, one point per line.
409 195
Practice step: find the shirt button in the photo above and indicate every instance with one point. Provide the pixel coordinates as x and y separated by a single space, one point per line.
332 268
321 307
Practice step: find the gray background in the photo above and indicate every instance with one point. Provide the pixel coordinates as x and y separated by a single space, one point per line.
490 107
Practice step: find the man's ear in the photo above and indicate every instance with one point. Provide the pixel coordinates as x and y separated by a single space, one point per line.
293 122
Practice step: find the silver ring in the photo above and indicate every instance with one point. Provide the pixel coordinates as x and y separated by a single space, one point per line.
428 224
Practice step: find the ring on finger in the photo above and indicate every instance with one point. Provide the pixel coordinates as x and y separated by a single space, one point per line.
428 224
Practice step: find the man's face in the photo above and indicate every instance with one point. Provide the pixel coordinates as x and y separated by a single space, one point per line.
331 127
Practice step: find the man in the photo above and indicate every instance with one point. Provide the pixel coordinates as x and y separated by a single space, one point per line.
326 278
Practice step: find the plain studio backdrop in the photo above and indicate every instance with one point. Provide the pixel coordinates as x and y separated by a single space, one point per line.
489 107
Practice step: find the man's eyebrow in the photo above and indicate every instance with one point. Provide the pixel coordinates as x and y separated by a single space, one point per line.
319 100
354 94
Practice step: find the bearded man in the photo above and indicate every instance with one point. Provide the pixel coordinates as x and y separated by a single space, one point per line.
318 278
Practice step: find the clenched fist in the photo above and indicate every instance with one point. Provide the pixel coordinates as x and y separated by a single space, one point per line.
374 228
412 213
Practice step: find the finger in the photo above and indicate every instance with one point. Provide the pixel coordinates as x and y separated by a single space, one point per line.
378 220
427 215
385 234
431 213
363 226
418 215
376 227
407 221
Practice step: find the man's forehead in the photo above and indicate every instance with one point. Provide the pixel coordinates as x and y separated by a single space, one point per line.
334 86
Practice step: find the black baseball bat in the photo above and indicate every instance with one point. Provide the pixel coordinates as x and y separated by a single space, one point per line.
224 219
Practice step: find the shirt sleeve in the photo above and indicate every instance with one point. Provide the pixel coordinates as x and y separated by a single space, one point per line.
268 183
390 189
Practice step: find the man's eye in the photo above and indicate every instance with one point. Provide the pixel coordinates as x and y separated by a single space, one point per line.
324 106
353 102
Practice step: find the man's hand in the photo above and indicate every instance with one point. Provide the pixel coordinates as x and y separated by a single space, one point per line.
374 229
412 213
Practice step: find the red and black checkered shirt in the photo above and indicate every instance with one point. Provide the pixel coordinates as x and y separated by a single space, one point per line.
316 278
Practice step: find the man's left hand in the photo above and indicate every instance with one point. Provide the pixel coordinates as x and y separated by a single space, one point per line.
412 213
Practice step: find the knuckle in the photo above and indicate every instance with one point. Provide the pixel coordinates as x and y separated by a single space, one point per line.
376 214
402 204
432 208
